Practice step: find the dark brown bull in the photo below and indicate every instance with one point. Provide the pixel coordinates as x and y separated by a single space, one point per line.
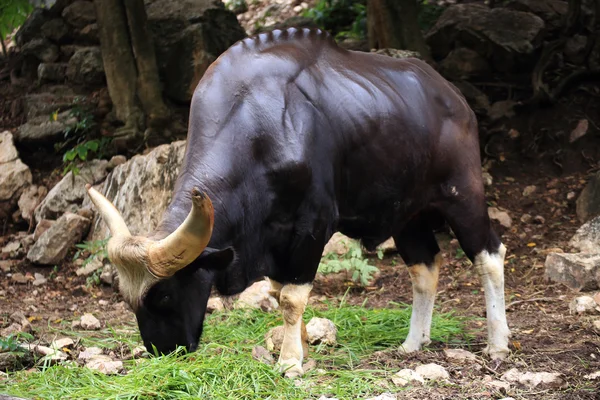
293 139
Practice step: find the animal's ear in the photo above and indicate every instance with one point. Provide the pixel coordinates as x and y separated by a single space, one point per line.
215 260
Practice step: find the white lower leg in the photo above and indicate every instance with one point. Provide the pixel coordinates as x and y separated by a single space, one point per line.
293 300
491 273
424 282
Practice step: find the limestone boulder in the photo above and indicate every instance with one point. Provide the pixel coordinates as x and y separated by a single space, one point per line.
41 129
588 203
15 176
551 11
69 193
52 72
587 237
53 244
55 30
578 271
141 189
42 49
86 67
188 36
31 28
80 13
506 38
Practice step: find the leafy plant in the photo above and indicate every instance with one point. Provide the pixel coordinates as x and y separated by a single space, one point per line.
93 249
343 18
81 153
12 15
352 262
10 344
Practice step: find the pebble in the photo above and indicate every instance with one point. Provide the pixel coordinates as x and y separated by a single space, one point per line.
89 322
62 343
321 330
39 279
104 364
89 353
459 355
19 278
533 379
432 371
214 304
529 190
583 305
405 376
263 355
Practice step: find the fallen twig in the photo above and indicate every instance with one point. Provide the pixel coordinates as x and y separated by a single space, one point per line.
548 299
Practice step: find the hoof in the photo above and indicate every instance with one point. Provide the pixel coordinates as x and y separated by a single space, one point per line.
290 368
497 353
409 347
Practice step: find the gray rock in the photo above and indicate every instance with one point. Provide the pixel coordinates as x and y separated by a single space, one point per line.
52 72
501 216
68 50
43 104
274 338
8 151
583 305
578 271
214 304
89 268
463 63
69 193
89 34
104 364
405 376
89 322
86 67
197 31
29 200
80 14
534 379
47 352
432 372
42 227
338 244
42 49
14 178
459 355
551 11
39 280
32 26
529 190
55 30
588 203
107 275
19 278
321 330
384 396
12 329
42 129
146 181
507 38
587 237
263 355
89 352
53 245
62 343
258 296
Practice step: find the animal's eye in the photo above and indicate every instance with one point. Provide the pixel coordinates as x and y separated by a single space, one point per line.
164 300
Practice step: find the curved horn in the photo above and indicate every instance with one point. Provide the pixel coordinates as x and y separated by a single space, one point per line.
109 213
180 248
165 257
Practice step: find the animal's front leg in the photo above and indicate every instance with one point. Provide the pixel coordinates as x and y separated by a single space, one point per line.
293 300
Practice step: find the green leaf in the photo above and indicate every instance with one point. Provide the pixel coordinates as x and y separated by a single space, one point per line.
92 145
82 152
69 155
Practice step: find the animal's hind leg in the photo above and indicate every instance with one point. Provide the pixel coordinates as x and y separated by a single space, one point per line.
292 300
419 250
468 217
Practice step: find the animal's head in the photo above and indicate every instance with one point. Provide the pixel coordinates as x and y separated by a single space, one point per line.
166 282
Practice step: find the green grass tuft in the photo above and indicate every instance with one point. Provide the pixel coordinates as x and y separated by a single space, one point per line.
223 367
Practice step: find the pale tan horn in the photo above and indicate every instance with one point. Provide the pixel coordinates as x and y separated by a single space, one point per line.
180 248
109 213
166 256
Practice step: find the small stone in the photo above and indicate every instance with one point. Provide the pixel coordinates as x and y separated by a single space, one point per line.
298 9
384 396
51 354
103 302
11 247
593 375
526 218
501 216
5 265
432 371
62 343
116 160
214 304
529 190
321 330
258 296
583 305
104 364
274 338
139 351
19 278
571 195
578 271
405 376
533 379
89 353
498 385
538 219
487 179
459 355
89 322
39 280
263 355
12 329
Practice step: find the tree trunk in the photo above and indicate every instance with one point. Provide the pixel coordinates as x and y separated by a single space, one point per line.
119 64
394 24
